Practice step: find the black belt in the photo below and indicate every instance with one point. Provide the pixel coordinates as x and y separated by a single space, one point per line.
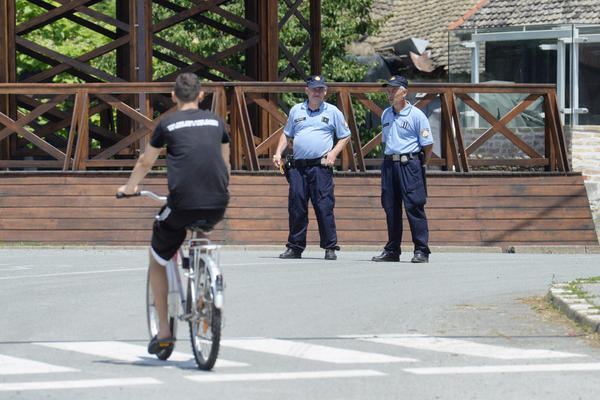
307 162
402 157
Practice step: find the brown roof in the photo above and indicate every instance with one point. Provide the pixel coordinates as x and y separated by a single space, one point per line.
496 13
425 19
431 19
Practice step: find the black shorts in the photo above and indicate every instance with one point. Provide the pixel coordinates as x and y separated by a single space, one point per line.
168 231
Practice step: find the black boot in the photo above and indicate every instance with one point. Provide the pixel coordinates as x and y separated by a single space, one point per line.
290 253
386 256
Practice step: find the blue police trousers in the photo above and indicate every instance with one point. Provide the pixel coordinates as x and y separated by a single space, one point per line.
316 183
404 183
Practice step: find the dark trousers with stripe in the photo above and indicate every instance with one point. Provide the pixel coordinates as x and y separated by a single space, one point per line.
314 183
404 184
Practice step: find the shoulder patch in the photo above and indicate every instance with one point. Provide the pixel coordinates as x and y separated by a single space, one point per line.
425 132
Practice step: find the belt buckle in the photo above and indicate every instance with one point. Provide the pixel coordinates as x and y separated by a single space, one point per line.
395 157
404 158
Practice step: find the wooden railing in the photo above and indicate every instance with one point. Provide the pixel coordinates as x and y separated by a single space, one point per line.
104 126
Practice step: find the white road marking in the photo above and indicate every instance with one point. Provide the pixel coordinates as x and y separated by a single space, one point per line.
8 267
494 369
107 271
271 262
15 365
77 384
270 376
457 346
133 353
311 351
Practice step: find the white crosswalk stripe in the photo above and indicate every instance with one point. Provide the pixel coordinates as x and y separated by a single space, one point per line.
76 384
495 369
349 373
464 347
339 353
132 353
309 351
17 366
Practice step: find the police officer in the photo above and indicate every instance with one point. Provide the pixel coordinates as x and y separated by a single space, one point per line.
312 124
408 143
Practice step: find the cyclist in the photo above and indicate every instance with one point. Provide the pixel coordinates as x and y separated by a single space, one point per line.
197 145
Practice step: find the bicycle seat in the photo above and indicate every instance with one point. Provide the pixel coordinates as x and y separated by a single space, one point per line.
201 226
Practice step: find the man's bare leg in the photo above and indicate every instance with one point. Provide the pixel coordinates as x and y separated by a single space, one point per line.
160 288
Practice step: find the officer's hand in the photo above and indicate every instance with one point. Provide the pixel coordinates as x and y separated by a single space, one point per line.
277 160
330 160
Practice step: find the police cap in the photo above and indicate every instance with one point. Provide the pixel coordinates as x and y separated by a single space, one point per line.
316 81
397 80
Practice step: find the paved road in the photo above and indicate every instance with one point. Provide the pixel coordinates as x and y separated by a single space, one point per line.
73 326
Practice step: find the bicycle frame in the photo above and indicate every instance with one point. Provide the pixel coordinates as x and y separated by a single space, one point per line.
205 252
200 252
176 295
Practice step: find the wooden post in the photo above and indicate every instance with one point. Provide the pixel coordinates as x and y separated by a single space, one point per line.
141 27
315 34
124 8
264 66
8 68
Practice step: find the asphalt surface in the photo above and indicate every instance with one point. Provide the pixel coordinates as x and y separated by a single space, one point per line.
460 327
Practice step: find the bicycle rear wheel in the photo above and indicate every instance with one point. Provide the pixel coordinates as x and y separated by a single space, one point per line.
152 317
205 327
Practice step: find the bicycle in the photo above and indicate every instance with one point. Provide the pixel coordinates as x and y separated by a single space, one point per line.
201 303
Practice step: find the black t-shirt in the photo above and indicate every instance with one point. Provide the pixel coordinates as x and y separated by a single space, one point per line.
196 171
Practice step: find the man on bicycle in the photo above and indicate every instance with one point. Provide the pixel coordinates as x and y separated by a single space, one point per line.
198 167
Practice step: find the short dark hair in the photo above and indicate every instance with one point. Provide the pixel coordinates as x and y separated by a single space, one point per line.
187 87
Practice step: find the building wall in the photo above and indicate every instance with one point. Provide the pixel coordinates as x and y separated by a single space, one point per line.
585 150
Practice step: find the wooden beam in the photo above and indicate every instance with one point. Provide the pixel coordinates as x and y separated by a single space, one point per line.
315 37
8 68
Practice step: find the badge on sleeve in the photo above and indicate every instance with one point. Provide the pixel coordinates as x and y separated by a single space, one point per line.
425 133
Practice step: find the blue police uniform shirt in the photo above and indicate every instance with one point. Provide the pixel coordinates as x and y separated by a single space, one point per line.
405 132
313 130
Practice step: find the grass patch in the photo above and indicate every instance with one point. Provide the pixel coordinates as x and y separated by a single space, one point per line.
575 288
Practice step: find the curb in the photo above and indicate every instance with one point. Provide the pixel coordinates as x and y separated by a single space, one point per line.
533 249
574 307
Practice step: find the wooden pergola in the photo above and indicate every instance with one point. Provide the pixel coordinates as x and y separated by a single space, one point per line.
135 38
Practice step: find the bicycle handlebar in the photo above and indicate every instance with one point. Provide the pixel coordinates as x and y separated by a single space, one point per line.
121 195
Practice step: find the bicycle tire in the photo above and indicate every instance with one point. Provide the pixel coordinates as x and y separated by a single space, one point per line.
205 332
152 318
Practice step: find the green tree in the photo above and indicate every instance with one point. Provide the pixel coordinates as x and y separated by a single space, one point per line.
342 22
64 37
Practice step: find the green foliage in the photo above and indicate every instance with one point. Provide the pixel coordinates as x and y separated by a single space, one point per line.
65 37
198 38
343 21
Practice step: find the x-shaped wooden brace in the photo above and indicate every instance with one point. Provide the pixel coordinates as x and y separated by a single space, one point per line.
12 126
499 125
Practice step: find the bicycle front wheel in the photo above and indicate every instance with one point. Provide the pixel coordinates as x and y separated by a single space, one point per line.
152 317
205 329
